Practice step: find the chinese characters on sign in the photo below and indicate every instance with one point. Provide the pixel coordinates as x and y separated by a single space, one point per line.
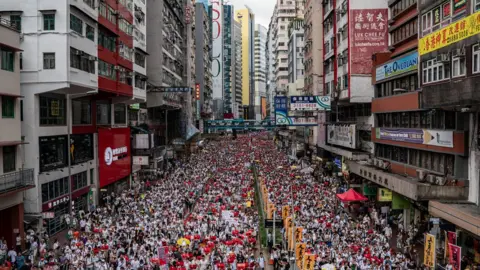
310 103
197 91
450 34
429 252
369 34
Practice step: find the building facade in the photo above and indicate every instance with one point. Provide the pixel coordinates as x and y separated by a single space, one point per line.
247 19
270 67
260 67
15 177
229 54
237 67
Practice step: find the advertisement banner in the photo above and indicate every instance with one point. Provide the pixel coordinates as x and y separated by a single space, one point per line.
368 35
113 154
397 67
400 202
285 211
283 119
455 256
343 135
309 261
451 238
384 195
310 103
453 33
429 251
140 160
300 249
217 49
420 136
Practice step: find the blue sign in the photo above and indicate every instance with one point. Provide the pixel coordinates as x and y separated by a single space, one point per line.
310 103
283 119
397 67
338 162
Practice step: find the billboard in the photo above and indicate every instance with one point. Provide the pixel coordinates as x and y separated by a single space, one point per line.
396 67
342 135
368 35
114 162
310 103
217 49
419 136
263 102
283 119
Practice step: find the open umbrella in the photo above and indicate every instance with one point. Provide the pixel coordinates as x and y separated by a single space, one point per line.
183 242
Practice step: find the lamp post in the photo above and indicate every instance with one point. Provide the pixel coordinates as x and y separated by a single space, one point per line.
69 131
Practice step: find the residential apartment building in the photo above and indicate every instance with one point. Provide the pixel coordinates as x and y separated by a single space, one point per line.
77 78
15 177
353 31
270 59
203 63
260 67
295 51
247 19
228 58
237 67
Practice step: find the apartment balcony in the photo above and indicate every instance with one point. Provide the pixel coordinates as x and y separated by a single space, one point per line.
16 181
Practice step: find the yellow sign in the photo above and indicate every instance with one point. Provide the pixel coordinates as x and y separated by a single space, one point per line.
298 234
429 251
288 222
249 204
308 262
270 210
450 34
285 211
299 253
384 195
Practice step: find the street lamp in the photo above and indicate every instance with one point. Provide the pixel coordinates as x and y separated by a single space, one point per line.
69 131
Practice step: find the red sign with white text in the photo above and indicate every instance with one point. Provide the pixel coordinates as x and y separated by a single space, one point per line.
114 162
368 35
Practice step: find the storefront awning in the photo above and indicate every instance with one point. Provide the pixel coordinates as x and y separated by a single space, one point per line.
466 216
408 186
349 154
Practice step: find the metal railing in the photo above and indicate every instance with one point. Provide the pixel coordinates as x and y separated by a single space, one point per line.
16 180
9 24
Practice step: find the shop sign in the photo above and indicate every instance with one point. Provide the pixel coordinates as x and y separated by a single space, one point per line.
342 135
135 106
396 67
114 152
429 251
140 160
400 202
419 136
384 195
56 202
369 190
455 256
310 103
48 215
452 33
459 6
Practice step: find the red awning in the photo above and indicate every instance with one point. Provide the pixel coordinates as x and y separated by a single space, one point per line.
11 143
10 95
351 196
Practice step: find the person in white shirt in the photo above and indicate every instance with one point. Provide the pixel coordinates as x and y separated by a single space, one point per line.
13 255
261 261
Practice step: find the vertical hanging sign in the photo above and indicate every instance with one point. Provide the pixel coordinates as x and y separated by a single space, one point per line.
217 48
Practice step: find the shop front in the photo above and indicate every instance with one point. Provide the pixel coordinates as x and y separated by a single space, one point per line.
115 164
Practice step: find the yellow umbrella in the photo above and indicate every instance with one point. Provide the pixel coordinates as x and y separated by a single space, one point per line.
183 242
293 167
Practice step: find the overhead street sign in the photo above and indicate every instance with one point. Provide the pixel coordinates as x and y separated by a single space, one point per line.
175 89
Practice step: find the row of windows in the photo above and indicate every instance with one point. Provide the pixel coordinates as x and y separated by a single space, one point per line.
81 60
398 86
441 163
443 14
107 41
401 5
76 24
405 31
9 158
7 58
106 70
420 119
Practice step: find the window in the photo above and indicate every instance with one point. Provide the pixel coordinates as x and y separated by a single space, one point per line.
52 111
16 21
125 76
81 112
140 82
48 60
103 113
8 107
434 71
125 26
48 22
476 6
476 58
54 189
81 148
90 3
76 24
345 81
106 41
405 31
9 158
120 114
102 10
8 59
125 52
21 61
21 110
458 66
81 60
106 70
53 153
79 180
112 15
427 22
90 32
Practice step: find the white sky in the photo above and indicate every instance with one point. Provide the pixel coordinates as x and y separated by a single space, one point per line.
263 9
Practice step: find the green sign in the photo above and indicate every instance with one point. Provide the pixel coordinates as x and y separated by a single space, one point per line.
369 190
135 106
400 202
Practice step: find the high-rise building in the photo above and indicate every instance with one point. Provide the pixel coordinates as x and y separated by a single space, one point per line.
71 53
15 176
260 66
237 67
228 50
247 19
216 13
203 64
270 67
295 51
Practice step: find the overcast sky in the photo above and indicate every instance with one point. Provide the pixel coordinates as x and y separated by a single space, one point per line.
263 9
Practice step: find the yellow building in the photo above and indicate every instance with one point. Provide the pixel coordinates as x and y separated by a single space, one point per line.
247 19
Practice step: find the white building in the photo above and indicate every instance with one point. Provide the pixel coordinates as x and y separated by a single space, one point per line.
260 66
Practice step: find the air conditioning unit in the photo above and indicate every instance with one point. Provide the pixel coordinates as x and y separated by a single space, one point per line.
431 179
117 68
458 52
439 180
444 57
421 175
